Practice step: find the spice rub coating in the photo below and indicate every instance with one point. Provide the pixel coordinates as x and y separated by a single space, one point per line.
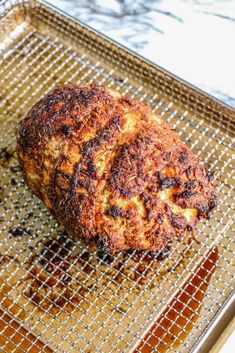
110 170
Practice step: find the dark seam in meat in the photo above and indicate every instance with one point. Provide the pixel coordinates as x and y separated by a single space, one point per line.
189 185
183 157
167 183
105 133
115 211
66 129
185 195
102 243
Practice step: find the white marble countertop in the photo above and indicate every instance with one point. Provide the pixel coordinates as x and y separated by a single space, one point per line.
194 39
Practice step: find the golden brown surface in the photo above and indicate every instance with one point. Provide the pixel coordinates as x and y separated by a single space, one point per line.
111 171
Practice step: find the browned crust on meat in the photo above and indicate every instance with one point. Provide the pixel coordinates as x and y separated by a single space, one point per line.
111 171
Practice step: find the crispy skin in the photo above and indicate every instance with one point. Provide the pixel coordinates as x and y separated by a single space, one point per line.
111 171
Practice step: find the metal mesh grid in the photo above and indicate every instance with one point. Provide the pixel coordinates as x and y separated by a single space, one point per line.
99 307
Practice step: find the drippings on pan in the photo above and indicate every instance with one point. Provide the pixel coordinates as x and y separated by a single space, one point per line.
61 276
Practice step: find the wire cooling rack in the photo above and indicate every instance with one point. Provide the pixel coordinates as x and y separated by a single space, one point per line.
58 295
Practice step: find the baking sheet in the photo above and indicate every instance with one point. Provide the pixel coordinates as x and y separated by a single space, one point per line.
89 304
